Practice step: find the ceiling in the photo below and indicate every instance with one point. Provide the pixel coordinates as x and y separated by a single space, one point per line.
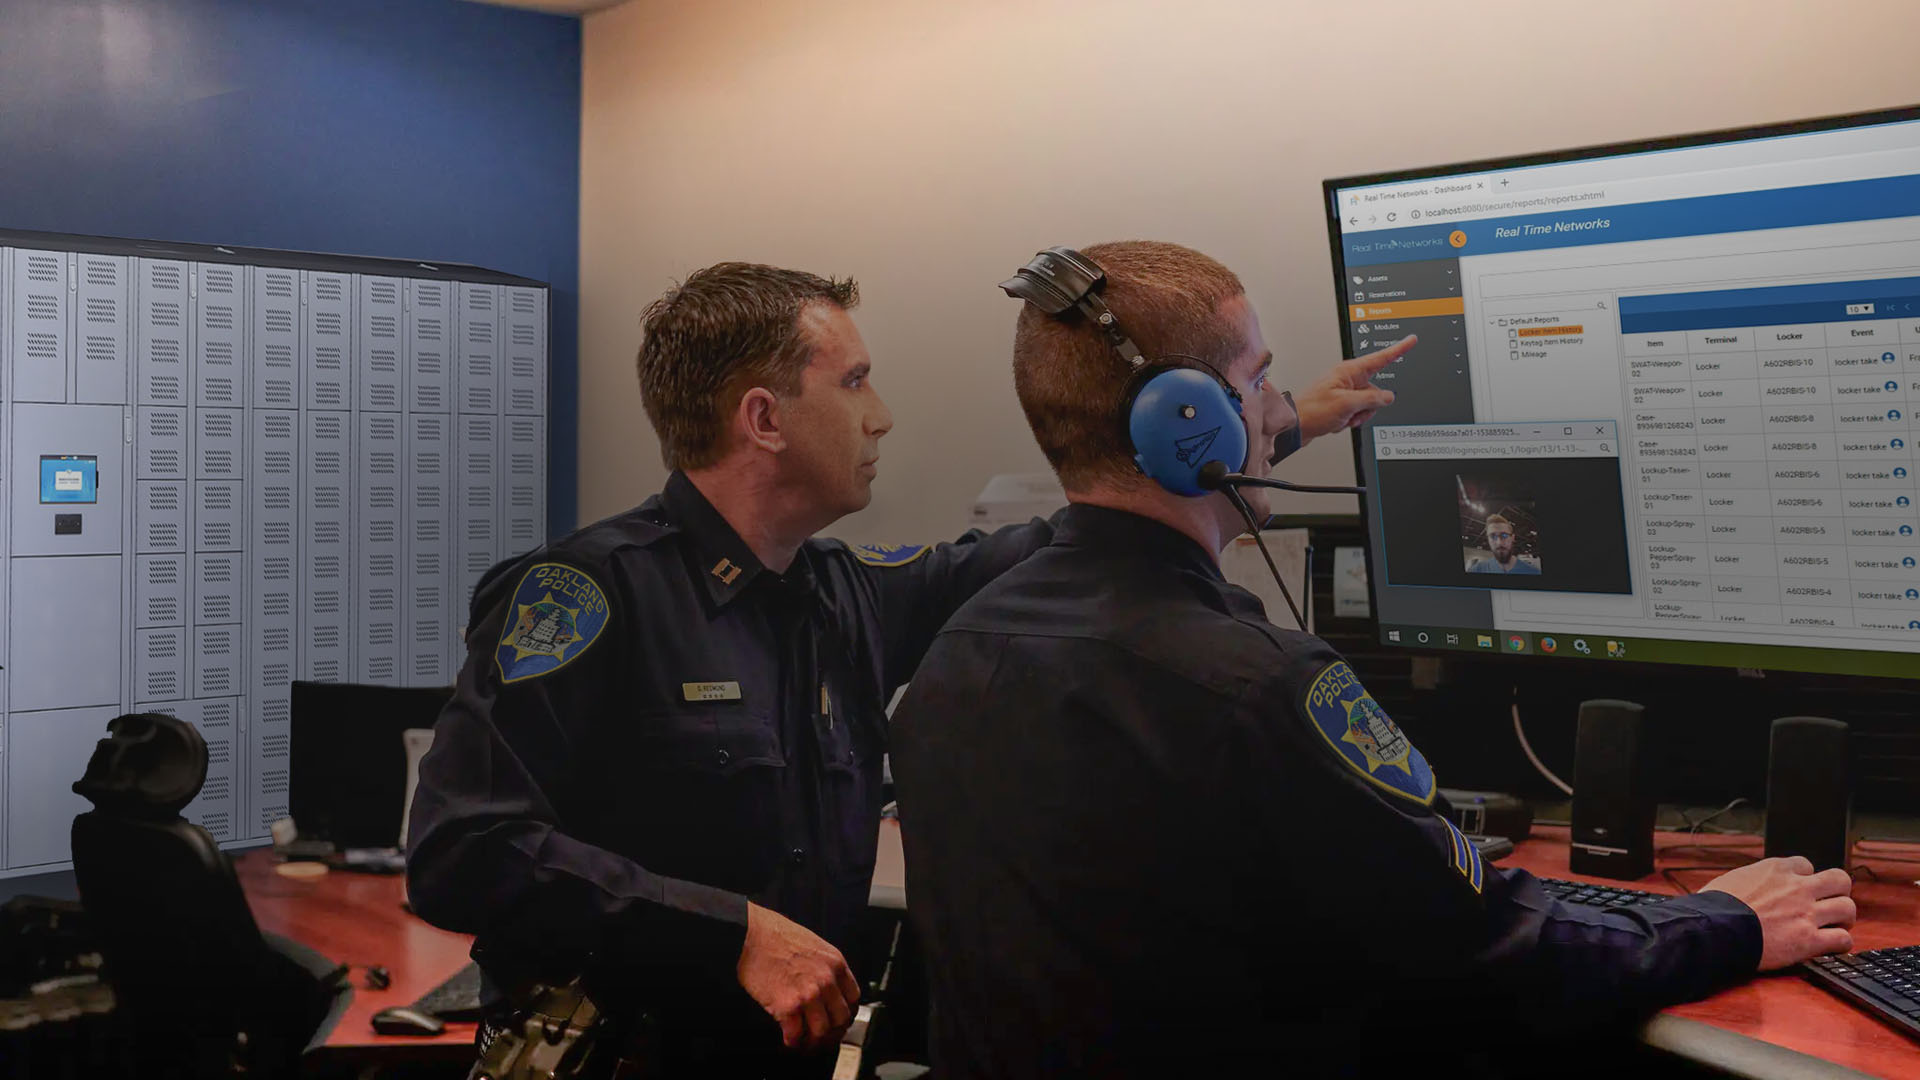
557 7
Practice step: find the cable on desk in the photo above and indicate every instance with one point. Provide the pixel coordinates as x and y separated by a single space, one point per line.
1677 883
1710 851
1527 748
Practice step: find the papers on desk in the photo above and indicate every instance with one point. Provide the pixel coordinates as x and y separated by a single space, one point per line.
1350 583
1242 565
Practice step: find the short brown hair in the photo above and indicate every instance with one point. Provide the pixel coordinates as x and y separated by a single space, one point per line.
714 336
1496 519
1071 384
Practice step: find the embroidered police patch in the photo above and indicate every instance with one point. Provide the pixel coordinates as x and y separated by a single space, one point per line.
888 554
557 612
1365 737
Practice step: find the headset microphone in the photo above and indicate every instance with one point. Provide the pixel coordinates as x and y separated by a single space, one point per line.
1213 476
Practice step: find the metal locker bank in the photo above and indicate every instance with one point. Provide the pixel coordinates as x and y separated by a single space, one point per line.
223 469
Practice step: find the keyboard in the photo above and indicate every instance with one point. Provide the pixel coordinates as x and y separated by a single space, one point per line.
456 999
1884 982
1579 892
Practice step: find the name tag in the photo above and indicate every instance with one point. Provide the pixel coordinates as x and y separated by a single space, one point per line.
711 691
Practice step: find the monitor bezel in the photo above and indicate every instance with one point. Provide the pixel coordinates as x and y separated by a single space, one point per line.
1329 204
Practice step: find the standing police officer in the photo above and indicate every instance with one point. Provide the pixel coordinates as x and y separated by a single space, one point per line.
663 757
1149 833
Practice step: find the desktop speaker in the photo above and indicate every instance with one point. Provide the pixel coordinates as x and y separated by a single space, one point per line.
1612 792
1810 791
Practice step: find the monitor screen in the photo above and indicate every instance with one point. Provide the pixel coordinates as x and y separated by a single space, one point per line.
1662 404
69 478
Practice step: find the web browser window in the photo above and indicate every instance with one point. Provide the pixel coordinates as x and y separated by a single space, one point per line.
1742 317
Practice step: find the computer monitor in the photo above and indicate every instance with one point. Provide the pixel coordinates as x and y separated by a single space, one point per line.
1663 403
347 773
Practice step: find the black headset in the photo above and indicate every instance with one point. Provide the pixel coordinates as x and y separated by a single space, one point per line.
1178 419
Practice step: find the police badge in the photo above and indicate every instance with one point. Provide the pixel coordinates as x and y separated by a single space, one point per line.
557 612
1365 737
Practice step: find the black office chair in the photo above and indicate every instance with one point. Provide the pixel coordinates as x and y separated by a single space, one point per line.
201 991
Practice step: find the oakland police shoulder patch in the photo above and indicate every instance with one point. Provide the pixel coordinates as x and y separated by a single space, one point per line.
888 554
1364 736
556 613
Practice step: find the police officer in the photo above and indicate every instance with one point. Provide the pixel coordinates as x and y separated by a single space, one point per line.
1150 833
663 758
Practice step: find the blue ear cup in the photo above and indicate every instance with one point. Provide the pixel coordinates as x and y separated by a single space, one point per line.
1180 419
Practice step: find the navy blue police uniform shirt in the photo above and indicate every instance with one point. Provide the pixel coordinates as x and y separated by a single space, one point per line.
1147 833
652 729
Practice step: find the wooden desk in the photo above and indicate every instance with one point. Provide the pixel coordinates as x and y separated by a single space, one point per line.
357 919
1783 1009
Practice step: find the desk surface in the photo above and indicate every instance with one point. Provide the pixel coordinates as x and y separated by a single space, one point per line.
1782 1009
357 919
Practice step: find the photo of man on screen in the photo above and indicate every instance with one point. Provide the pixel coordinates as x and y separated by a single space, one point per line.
1499 556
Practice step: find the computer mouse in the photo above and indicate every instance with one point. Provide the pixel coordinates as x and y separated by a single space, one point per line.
400 1020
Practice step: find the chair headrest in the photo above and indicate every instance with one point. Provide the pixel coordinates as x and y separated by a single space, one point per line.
149 766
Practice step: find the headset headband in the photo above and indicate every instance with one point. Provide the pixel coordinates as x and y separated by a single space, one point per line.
1059 280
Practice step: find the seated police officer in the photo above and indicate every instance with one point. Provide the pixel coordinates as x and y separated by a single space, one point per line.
1150 833
663 758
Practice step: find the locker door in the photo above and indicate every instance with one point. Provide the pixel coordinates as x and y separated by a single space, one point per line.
477 371
429 630
219 594
65 632
160 443
160 663
219 442
378 380
160 591
273 557
160 516
326 593
219 335
266 775
524 518
328 368
377 652
40 324
477 511
525 379
46 753
429 335
218 512
216 807
217 656
101 323
161 346
274 313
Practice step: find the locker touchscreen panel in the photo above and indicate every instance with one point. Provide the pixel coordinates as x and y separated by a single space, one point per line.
69 478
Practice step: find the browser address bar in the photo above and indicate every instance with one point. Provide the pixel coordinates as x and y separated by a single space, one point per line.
1456 206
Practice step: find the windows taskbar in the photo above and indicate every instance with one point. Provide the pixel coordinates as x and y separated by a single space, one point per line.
1903 664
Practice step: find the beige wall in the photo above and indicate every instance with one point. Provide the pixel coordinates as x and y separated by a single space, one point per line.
929 148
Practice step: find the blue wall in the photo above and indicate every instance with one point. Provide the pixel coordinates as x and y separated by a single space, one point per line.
417 129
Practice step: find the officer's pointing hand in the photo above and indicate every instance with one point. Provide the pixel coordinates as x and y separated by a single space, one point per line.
1343 397
1802 914
800 980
